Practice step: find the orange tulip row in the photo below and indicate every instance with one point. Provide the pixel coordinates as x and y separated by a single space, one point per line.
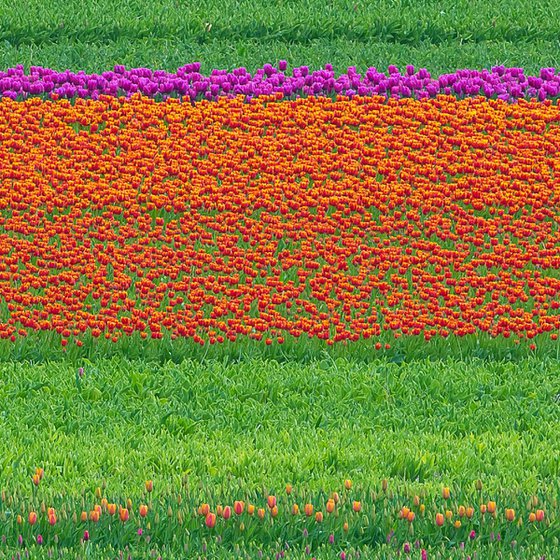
329 219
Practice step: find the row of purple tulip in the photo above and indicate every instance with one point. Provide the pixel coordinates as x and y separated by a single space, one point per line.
499 82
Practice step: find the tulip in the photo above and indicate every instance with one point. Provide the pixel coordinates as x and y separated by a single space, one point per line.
491 507
39 539
140 532
86 536
271 501
540 515
149 485
261 513
295 509
462 511
288 489
36 479
445 493
205 509
123 514
410 516
335 497
143 510
227 512
532 517
94 515
439 519
483 508
211 520
347 484
318 517
308 510
250 509
32 518
510 514
40 472
219 510
448 514
457 524
112 509
406 548
470 512
472 535
356 506
330 506
274 511
83 516
238 507
19 519
384 485
345 527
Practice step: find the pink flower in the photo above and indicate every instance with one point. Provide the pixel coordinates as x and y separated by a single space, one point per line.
140 531
472 535
86 536
424 554
39 539
406 548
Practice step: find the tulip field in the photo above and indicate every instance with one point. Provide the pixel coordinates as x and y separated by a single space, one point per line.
300 299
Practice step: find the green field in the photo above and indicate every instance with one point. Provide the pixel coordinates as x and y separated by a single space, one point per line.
441 36
247 423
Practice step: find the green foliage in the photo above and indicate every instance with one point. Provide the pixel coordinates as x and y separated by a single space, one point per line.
256 423
441 36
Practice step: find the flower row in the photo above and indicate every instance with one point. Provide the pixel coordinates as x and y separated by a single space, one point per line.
334 220
339 519
188 82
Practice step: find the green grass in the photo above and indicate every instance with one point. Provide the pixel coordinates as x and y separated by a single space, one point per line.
441 36
263 424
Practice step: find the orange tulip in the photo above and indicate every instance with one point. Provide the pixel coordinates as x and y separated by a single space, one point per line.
261 513
335 497
36 479
112 509
308 509
274 511
32 518
143 510
532 517
462 511
149 485
439 519
457 524
318 517
295 509
445 493
356 506
83 516
19 519
330 506
205 509
227 512
411 515
540 515
271 501
491 507
483 508
510 514
345 527
211 520
123 514
288 489
52 519
470 512
250 509
347 484
219 510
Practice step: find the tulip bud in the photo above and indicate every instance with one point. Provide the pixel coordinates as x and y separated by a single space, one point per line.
347 484
457 524
491 507
478 485
308 510
439 519
445 493
52 519
274 511
319 517
384 485
330 506
149 485
242 526
540 515
205 509
462 511
422 509
288 489
295 509
36 479
483 508
98 493
250 509
345 527
271 501
261 513
19 519
219 510
335 497
179 517
32 518
169 511
356 506
86 536
227 512
143 510
510 514
83 517
532 517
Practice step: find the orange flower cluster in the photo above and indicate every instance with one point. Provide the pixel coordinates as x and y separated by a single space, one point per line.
329 219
